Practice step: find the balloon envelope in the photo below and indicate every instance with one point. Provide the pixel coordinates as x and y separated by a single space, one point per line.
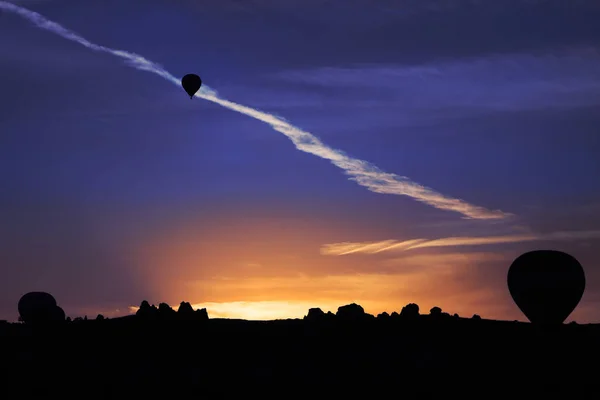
58 314
36 306
546 285
191 84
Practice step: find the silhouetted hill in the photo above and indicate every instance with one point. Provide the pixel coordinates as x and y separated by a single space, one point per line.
344 354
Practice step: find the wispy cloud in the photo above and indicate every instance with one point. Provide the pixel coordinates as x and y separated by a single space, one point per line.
345 248
564 78
362 172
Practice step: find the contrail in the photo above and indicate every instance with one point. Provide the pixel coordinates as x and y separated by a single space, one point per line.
362 172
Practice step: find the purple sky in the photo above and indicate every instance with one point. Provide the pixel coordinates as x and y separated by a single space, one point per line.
115 187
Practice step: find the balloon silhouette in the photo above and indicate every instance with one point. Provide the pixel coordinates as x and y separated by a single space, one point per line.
191 84
37 307
546 285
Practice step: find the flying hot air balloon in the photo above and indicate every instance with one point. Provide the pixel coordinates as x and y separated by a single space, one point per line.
546 285
191 84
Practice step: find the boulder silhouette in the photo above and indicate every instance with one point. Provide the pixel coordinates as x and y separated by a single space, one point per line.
185 312
201 314
165 311
435 312
146 310
410 310
185 308
314 314
351 312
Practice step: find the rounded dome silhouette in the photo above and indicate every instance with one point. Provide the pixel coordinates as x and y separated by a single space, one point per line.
37 306
58 314
546 285
191 84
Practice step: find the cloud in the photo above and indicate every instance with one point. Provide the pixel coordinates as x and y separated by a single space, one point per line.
420 31
29 2
345 248
565 78
362 172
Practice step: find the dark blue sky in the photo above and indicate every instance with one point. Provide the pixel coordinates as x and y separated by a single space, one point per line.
115 187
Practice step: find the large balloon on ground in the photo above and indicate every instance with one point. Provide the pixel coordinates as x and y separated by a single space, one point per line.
39 307
546 285
191 84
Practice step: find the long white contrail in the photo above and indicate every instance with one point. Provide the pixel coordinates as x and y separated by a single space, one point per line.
364 173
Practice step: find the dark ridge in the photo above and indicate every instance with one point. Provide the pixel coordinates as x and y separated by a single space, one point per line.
348 354
407 353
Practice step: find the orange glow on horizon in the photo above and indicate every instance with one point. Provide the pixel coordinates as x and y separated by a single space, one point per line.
258 310
263 269
282 298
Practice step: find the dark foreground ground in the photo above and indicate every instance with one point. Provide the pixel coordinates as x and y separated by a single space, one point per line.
295 359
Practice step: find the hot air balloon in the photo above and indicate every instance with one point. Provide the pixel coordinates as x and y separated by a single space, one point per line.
191 84
35 307
58 314
546 285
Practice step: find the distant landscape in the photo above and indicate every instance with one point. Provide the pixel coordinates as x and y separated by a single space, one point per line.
184 183
185 351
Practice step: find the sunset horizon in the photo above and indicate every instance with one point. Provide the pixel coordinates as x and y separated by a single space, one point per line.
390 155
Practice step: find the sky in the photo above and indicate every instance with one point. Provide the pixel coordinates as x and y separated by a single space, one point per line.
373 152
